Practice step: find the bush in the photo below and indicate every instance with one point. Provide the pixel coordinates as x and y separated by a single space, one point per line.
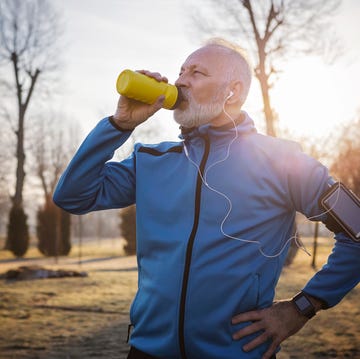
128 229
53 230
18 232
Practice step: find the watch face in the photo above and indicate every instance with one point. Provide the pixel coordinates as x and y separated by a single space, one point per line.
303 303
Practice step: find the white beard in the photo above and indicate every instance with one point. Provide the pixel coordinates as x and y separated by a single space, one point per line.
195 114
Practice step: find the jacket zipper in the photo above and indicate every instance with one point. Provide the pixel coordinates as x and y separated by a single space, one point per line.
190 248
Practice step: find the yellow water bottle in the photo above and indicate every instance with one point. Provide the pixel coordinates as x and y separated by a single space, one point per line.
145 89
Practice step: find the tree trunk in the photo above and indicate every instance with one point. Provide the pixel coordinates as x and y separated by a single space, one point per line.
269 115
263 78
17 199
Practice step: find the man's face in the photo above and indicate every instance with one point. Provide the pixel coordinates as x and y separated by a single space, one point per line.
201 82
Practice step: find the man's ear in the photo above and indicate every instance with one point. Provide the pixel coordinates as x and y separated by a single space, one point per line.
231 93
234 93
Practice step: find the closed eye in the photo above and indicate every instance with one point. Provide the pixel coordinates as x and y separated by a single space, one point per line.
197 72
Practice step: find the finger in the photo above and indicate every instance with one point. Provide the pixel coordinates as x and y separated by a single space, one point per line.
272 349
262 338
247 317
250 329
157 105
155 75
159 101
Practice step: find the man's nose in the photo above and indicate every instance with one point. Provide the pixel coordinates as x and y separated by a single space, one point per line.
182 81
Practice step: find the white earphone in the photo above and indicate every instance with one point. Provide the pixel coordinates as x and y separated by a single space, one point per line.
230 94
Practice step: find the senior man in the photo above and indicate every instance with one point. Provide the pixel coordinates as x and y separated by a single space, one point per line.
215 214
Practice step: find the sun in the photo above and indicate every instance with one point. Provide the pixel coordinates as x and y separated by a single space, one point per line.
305 98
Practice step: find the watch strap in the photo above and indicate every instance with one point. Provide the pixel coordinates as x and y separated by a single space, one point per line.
304 305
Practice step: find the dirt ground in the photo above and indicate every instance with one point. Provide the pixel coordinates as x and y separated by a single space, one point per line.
68 318
87 317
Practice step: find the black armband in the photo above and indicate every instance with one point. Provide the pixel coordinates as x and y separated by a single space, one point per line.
332 225
342 209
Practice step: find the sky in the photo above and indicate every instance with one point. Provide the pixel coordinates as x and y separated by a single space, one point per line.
105 37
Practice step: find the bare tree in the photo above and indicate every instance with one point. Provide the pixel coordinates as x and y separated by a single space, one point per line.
52 145
28 34
28 37
272 30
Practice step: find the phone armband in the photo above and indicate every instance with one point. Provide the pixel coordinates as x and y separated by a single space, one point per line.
343 206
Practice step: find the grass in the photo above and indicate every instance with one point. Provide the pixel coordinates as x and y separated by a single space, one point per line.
87 317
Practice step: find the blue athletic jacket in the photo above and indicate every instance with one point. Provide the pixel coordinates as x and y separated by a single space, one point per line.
199 264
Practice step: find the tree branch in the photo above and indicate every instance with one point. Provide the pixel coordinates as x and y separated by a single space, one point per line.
248 7
14 60
33 78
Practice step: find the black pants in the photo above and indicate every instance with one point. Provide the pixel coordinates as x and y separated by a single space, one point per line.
138 354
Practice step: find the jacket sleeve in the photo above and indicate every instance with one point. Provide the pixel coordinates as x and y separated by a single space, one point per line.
91 181
339 275
307 181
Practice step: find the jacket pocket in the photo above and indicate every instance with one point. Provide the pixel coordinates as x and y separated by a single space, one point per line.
249 297
256 289
249 301
133 308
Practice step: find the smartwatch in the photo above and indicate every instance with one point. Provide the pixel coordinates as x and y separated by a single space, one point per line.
304 305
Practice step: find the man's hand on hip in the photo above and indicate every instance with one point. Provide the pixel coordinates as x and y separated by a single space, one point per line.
275 323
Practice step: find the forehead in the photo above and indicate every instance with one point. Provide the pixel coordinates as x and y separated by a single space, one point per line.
210 57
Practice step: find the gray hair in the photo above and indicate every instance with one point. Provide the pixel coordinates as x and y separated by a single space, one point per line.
239 67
